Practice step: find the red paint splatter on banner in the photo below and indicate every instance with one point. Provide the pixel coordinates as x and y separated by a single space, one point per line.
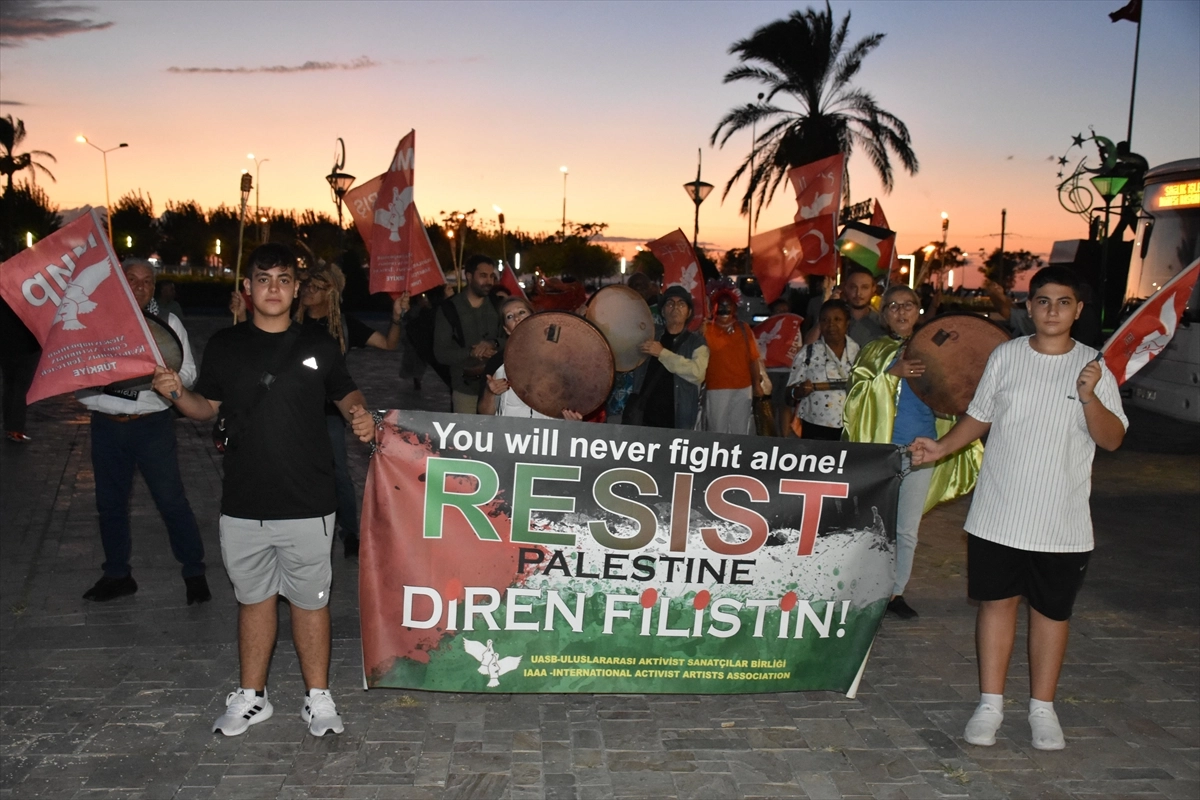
649 598
701 599
396 554
788 601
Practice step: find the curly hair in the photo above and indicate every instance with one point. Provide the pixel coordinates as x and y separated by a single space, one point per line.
330 274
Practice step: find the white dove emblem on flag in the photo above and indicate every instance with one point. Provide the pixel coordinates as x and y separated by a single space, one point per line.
392 217
1153 344
688 280
76 297
819 204
769 336
490 664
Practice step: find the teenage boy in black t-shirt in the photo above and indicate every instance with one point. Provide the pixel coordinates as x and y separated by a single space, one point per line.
270 378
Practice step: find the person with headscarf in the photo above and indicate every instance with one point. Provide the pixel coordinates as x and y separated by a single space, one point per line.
732 365
881 407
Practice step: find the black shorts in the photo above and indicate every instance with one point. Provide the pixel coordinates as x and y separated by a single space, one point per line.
1049 581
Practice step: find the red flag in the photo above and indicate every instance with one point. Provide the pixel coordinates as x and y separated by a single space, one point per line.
1145 334
887 248
779 339
402 257
775 256
1131 11
71 293
818 187
508 279
681 267
360 201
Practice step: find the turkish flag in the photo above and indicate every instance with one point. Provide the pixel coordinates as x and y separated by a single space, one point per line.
360 201
1149 330
70 291
779 339
508 279
887 248
681 267
818 187
775 256
402 257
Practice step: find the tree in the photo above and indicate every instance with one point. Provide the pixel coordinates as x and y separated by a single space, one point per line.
930 261
805 58
1003 268
736 262
25 208
185 234
12 133
133 220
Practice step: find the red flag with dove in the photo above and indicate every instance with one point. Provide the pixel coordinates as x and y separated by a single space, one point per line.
779 339
818 187
402 257
360 202
1146 334
680 266
70 291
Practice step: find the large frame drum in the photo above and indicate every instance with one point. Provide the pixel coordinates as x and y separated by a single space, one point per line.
556 361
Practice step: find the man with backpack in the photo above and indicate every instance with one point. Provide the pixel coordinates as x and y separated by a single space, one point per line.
466 334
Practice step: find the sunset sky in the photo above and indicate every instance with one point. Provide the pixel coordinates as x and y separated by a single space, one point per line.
503 94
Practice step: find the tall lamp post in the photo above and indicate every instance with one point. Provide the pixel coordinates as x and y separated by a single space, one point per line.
563 170
257 185
500 218
246 185
104 154
1109 186
750 213
697 190
339 183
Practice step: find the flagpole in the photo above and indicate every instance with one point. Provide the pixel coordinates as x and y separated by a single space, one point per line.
1133 89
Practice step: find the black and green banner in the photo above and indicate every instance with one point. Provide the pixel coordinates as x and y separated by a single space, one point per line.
516 555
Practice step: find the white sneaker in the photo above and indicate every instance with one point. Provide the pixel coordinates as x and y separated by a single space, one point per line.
1047 733
983 724
243 708
320 712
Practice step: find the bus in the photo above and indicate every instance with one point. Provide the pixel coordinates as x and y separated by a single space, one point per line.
1167 241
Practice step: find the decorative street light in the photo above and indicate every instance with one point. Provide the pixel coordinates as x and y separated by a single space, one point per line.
339 182
563 170
257 185
697 190
104 153
1108 186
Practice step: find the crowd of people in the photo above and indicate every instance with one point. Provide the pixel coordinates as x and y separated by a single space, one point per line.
278 386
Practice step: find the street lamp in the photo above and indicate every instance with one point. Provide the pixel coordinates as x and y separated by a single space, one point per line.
257 186
563 170
697 190
1109 186
339 182
500 217
104 153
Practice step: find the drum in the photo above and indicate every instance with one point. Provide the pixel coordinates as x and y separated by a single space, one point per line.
623 317
955 348
555 361
169 347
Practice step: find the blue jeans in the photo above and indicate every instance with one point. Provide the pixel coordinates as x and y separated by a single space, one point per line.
347 500
147 444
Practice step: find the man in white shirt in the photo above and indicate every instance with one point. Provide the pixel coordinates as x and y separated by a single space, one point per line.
137 430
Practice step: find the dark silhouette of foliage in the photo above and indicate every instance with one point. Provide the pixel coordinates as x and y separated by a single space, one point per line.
1003 268
25 208
133 218
12 133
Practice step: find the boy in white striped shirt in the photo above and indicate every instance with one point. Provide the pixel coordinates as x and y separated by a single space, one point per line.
1045 402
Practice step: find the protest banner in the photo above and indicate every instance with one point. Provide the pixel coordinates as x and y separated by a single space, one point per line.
402 257
681 267
512 555
71 293
779 339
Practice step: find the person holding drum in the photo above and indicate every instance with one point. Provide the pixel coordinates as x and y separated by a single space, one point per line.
667 394
881 407
136 430
497 397
821 373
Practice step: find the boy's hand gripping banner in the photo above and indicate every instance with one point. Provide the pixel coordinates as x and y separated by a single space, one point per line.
508 555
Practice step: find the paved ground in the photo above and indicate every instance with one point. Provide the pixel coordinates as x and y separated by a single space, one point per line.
117 700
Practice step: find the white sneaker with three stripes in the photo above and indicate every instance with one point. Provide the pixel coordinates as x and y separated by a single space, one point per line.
243 708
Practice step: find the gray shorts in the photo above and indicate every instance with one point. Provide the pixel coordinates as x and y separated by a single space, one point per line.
290 557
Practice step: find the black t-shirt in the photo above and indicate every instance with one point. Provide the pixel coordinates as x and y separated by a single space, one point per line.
356 333
659 387
279 465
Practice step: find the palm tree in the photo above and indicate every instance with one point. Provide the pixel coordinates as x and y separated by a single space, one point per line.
11 135
805 58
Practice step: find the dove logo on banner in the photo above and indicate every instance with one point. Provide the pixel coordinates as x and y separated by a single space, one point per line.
70 293
490 663
402 257
681 267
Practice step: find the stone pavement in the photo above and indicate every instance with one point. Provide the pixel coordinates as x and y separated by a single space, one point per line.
116 700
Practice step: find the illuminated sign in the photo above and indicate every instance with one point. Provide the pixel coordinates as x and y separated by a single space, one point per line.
1178 195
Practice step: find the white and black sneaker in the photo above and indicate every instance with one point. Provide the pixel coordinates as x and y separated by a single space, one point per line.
320 712
243 708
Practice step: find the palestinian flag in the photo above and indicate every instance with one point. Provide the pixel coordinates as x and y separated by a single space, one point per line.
861 244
